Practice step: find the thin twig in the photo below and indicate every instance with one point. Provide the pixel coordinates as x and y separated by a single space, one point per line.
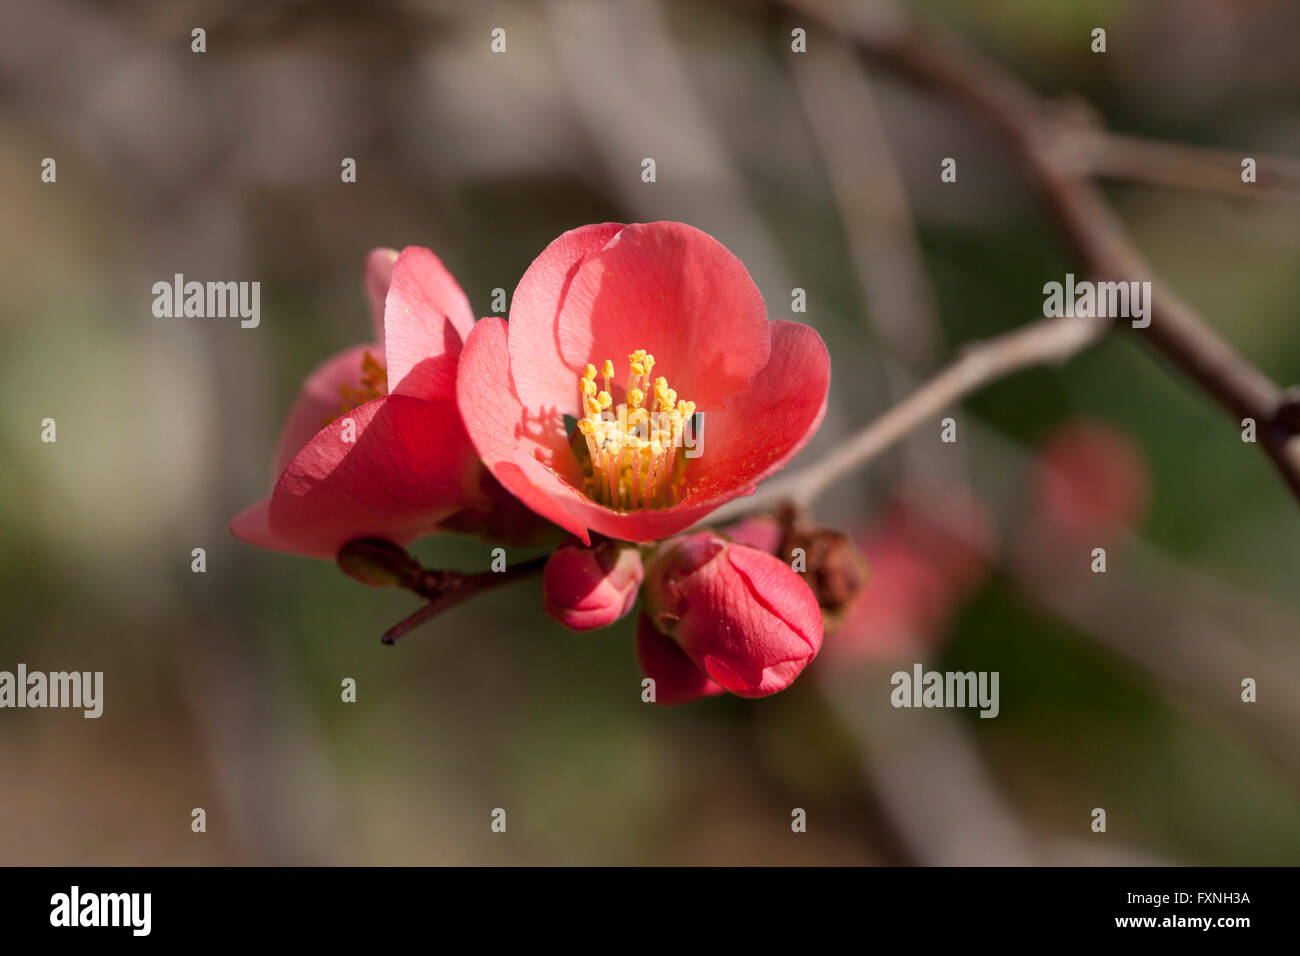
1098 239
452 589
1179 166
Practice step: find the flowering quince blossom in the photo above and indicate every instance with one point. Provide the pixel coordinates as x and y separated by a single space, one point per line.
374 446
716 397
724 616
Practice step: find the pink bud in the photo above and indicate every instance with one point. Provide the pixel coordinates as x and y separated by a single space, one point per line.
742 617
586 588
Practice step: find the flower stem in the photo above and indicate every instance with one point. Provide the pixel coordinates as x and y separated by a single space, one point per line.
446 589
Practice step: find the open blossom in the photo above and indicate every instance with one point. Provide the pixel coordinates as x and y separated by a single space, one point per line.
374 446
724 616
655 344
586 588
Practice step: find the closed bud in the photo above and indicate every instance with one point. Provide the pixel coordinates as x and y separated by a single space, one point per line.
740 616
586 588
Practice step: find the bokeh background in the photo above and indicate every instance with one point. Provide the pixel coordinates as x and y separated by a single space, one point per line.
222 689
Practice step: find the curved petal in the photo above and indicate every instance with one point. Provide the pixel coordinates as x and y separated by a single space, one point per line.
250 525
426 319
508 439
411 465
320 400
377 277
677 679
650 524
676 292
503 518
544 380
768 424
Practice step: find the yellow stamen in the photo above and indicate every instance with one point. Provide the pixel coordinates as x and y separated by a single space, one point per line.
373 384
634 448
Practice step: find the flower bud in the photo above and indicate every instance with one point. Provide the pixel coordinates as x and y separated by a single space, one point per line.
586 588
741 616
677 679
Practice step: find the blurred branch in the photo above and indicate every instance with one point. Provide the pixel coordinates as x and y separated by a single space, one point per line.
930 778
900 305
1179 166
1096 236
1042 342
1193 635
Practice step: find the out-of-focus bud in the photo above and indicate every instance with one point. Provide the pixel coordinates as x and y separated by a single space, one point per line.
761 531
1091 481
927 554
586 588
742 617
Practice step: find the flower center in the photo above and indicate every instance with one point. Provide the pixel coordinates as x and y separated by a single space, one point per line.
374 384
635 449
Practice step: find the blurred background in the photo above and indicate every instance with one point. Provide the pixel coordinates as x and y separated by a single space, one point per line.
820 171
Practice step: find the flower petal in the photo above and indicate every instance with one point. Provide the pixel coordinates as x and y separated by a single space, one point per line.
769 423
319 401
542 378
250 525
410 466
377 277
508 439
677 679
676 292
426 319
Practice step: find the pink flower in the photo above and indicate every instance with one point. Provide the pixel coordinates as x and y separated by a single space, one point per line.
374 446
586 588
661 302
724 616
